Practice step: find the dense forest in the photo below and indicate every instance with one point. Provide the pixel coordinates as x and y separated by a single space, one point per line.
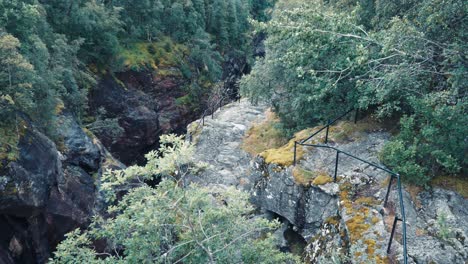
400 61
52 52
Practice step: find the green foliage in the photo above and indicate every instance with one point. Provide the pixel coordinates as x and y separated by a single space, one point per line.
150 56
92 21
172 223
431 141
390 59
444 231
306 64
16 75
50 42
47 49
173 160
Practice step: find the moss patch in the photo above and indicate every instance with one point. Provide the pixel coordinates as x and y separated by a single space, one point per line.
303 177
306 177
263 136
284 155
9 139
455 183
322 179
144 55
334 220
346 131
195 130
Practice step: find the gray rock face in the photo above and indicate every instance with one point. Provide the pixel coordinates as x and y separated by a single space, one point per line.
49 192
437 227
275 190
30 178
218 144
80 150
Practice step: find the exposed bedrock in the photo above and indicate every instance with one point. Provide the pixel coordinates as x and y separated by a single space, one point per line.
145 106
341 221
49 190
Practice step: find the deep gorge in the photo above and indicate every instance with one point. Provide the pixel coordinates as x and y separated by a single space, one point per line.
103 157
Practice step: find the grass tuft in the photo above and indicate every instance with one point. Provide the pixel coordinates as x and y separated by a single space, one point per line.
263 136
457 184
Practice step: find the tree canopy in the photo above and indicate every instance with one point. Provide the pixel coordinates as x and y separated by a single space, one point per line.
388 59
52 52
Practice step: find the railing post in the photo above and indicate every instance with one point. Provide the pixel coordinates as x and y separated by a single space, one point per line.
403 219
336 164
326 134
356 115
388 190
295 146
392 234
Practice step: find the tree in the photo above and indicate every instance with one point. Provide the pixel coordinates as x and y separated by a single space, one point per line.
172 223
16 75
406 62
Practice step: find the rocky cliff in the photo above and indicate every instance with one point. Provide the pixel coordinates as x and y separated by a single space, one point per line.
343 221
145 106
49 190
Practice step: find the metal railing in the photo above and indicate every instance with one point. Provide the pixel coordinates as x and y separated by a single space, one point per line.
393 175
210 111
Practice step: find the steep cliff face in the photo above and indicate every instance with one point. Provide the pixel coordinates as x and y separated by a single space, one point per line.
145 106
49 190
305 207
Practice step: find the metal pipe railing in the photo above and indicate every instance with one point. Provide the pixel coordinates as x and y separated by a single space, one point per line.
329 123
207 112
392 176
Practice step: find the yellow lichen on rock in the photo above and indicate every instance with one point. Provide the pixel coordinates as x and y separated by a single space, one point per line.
306 178
357 226
284 155
322 179
369 201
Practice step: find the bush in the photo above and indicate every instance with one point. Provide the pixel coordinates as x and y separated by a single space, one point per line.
171 223
431 142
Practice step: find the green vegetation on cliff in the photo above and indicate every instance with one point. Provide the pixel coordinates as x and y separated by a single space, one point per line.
51 52
391 60
171 223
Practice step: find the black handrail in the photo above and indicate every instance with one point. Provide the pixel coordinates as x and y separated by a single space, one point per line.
213 109
392 176
329 123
